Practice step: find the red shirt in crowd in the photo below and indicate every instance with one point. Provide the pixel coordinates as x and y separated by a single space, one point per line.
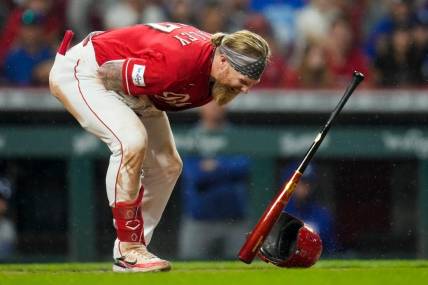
342 69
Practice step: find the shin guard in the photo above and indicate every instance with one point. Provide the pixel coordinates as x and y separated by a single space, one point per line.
128 220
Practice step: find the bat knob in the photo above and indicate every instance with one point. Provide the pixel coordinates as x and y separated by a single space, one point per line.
358 76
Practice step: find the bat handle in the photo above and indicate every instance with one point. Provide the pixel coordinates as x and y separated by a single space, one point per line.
359 76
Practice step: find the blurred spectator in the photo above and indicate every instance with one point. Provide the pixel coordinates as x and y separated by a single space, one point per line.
131 12
7 228
282 16
153 12
313 23
304 206
312 71
215 192
356 12
85 16
5 7
123 13
343 55
260 5
237 13
273 76
421 8
181 11
212 18
420 41
315 19
53 24
31 59
373 12
400 14
400 61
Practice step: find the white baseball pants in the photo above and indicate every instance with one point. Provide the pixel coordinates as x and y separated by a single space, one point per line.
138 135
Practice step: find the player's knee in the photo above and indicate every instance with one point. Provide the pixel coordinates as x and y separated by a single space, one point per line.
53 84
175 165
134 147
56 82
178 165
53 74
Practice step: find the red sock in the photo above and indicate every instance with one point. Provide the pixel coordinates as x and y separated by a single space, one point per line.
128 220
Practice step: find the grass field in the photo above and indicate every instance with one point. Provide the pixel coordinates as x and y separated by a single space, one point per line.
384 272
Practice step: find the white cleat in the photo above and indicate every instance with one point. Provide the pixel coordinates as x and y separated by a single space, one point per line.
134 257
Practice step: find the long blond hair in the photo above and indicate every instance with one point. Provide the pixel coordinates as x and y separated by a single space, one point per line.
243 42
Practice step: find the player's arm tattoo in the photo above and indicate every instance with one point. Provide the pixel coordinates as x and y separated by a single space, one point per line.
110 74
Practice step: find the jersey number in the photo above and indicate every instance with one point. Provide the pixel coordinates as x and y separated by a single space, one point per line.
164 27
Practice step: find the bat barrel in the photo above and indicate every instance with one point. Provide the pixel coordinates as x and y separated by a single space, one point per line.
257 236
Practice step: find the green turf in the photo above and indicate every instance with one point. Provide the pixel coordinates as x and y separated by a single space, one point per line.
383 272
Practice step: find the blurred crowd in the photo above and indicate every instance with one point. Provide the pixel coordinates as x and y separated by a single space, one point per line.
315 43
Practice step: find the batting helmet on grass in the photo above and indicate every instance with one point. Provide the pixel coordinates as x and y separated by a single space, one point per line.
291 243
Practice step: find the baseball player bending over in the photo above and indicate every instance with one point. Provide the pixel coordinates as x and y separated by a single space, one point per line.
118 85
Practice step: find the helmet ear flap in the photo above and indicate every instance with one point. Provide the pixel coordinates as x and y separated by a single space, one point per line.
291 244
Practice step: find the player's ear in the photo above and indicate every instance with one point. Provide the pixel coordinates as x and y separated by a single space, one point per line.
224 64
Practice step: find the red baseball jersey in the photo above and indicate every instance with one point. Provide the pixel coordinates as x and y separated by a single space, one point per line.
168 62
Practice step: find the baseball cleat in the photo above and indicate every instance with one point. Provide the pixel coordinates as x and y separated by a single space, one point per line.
134 257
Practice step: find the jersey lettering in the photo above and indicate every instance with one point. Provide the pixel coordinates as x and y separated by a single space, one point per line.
186 38
175 99
201 34
164 27
189 36
183 42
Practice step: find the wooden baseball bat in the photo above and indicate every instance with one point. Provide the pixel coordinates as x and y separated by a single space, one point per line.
257 236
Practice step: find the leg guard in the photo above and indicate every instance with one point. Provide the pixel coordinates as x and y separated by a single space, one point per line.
128 220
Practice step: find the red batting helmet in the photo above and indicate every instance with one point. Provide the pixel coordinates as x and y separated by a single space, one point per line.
291 243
